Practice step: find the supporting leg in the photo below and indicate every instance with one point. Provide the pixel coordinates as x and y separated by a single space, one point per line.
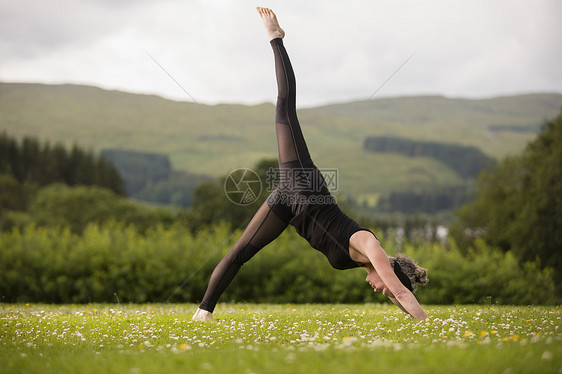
264 227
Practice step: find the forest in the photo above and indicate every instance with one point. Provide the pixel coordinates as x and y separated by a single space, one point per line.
40 163
150 177
467 162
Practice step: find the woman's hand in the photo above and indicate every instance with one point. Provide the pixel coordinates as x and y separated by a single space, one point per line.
381 275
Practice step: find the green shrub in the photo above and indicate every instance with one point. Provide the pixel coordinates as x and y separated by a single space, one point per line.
483 275
76 207
115 262
107 263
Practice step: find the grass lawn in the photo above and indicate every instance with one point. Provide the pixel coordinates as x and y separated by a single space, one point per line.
267 338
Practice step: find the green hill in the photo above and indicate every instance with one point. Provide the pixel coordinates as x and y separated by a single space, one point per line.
224 137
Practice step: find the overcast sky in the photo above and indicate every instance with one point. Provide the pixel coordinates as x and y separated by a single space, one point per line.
341 50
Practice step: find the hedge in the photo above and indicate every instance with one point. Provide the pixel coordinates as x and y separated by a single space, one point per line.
113 262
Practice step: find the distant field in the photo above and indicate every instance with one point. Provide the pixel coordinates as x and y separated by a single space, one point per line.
226 137
265 338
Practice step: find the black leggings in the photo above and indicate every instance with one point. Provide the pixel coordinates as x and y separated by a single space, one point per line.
266 225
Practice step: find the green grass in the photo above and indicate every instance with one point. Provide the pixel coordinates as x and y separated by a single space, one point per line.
266 338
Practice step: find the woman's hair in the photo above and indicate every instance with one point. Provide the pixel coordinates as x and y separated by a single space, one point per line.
409 273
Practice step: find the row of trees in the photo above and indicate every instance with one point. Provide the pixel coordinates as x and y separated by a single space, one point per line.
139 168
32 162
73 203
54 186
468 162
150 177
425 200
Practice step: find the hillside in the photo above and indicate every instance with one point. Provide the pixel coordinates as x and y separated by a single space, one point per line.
223 137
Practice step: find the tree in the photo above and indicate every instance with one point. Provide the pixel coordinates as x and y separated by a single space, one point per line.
518 205
76 207
466 161
210 203
15 198
42 164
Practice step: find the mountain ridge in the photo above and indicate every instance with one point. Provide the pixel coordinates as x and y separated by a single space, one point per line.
215 139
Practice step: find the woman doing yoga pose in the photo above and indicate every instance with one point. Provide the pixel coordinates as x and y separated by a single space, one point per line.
302 199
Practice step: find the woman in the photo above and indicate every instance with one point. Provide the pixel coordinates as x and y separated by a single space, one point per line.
302 199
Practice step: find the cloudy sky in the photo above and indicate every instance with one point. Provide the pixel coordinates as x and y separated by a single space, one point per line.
341 50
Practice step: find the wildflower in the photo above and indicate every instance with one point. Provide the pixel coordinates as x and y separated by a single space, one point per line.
547 355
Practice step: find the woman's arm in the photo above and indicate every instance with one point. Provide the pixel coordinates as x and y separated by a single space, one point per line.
394 288
403 296
376 282
395 302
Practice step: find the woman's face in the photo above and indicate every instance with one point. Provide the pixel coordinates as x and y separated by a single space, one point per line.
378 285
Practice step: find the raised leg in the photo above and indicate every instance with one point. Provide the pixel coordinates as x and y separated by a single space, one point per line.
272 28
293 152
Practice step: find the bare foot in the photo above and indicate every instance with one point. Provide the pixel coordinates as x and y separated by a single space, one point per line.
272 27
202 315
